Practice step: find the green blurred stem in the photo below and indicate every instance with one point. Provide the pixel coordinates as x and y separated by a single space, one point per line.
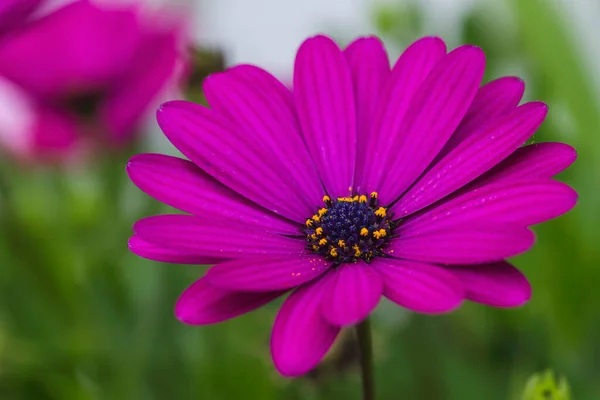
365 349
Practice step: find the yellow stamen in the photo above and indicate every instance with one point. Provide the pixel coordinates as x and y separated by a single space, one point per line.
326 199
323 242
322 212
362 199
373 195
355 198
319 231
381 212
333 252
364 232
379 234
313 236
315 247
357 251
309 223
316 218
341 243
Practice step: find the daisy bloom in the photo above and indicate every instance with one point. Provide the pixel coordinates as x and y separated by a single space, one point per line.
85 75
363 181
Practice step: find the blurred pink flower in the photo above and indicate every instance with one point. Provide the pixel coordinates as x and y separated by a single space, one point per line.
87 73
14 12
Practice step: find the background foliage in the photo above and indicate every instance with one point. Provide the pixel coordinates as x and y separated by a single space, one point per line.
82 318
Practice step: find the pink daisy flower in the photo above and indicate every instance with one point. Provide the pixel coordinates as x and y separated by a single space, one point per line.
365 181
84 76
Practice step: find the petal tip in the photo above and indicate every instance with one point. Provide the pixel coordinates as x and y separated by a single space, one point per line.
539 105
433 39
182 313
511 83
131 242
136 161
320 41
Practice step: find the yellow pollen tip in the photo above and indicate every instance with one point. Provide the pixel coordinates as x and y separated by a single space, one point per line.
341 243
379 234
373 195
313 236
381 212
357 251
326 199
333 252
319 231
309 222
316 218
315 247
355 198
362 199
364 232
323 242
322 212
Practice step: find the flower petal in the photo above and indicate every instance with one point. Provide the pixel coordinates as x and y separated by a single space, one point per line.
351 294
523 203
324 99
472 157
301 337
153 67
160 253
370 68
203 304
407 76
261 274
493 99
497 285
535 161
14 12
229 155
181 184
470 245
218 237
263 107
434 113
420 287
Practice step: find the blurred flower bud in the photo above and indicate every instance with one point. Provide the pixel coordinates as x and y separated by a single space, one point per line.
546 387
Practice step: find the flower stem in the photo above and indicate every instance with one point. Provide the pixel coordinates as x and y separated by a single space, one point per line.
363 335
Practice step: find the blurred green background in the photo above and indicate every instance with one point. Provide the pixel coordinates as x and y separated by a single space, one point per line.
82 318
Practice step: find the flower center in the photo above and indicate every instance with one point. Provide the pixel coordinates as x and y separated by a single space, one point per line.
84 105
349 229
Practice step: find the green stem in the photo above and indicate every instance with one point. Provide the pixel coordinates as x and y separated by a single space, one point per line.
363 335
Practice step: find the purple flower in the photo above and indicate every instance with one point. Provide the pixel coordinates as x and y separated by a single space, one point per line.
87 74
407 182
